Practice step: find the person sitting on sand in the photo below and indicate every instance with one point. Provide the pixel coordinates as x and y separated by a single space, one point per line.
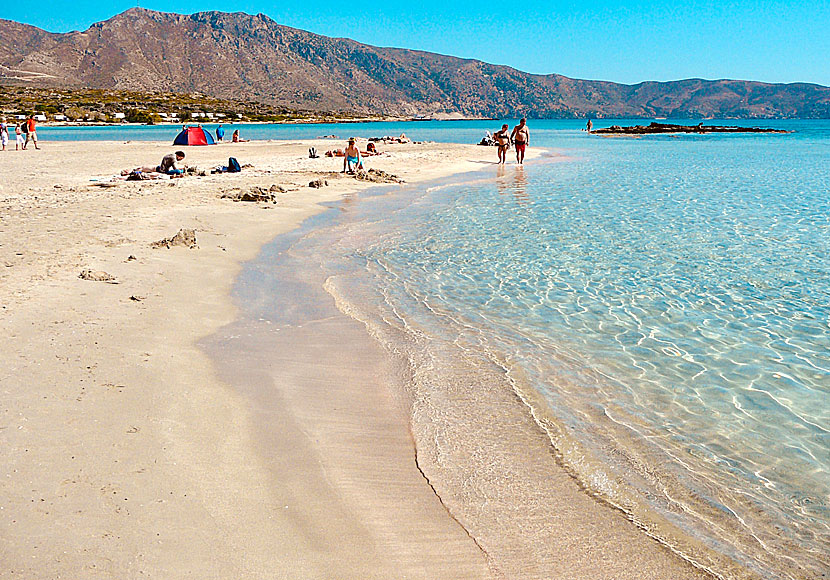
351 158
168 165
403 138
235 138
502 139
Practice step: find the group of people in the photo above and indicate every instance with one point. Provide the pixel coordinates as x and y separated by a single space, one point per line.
24 132
352 155
519 137
235 138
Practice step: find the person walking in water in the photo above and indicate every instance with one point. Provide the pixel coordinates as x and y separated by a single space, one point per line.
590 125
503 141
521 138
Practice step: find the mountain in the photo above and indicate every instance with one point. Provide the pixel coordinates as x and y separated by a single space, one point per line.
240 56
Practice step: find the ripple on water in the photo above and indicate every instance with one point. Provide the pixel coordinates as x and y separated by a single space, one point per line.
671 301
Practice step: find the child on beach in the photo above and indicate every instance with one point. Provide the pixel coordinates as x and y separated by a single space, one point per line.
18 133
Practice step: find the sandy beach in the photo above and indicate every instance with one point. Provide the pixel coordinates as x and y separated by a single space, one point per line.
128 453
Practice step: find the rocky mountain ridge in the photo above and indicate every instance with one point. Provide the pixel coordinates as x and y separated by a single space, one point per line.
251 57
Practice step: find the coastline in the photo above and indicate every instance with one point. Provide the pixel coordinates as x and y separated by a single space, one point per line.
479 443
128 453
124 452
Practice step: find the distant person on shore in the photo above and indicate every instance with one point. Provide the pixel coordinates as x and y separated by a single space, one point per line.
590 125
18 135
4 134
521 138
235 138
351 158
503 141
31 131
220 133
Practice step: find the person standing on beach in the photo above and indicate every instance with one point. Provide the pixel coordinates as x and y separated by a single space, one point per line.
220 132
31 131
521 138
20 140
4 134
503 141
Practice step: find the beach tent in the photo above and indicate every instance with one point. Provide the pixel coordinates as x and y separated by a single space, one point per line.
194 136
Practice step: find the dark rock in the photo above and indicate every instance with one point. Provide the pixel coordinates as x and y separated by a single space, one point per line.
657 128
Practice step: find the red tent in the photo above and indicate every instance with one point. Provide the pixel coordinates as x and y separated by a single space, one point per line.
194 136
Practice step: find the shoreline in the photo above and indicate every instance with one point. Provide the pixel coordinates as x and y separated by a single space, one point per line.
524 530
127 452
121 443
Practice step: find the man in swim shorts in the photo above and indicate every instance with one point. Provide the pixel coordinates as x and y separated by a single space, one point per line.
31 131
503 141
521 137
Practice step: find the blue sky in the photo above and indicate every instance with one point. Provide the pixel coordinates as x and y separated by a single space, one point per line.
773 41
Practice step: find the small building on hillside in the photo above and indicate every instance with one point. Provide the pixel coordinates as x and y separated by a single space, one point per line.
40 117
119 116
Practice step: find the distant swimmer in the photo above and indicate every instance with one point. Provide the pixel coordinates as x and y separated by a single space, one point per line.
502 139
521 139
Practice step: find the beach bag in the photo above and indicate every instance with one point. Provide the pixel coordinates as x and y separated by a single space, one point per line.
233 165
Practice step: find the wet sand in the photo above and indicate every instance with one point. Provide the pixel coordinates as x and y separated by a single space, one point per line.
129 453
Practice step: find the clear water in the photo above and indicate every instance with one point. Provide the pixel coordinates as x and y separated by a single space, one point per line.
669 297
439 131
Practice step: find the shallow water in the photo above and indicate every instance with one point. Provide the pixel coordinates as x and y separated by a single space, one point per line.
669 298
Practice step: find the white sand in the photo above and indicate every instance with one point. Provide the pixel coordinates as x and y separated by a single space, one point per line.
124 453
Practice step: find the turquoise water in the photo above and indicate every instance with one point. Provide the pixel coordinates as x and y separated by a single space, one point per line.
440 131
669 297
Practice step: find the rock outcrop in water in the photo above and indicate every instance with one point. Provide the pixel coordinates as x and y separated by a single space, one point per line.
656 128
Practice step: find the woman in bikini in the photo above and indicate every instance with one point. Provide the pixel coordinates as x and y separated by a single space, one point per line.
503 141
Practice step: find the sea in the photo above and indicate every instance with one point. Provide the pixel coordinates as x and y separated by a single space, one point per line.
666 297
